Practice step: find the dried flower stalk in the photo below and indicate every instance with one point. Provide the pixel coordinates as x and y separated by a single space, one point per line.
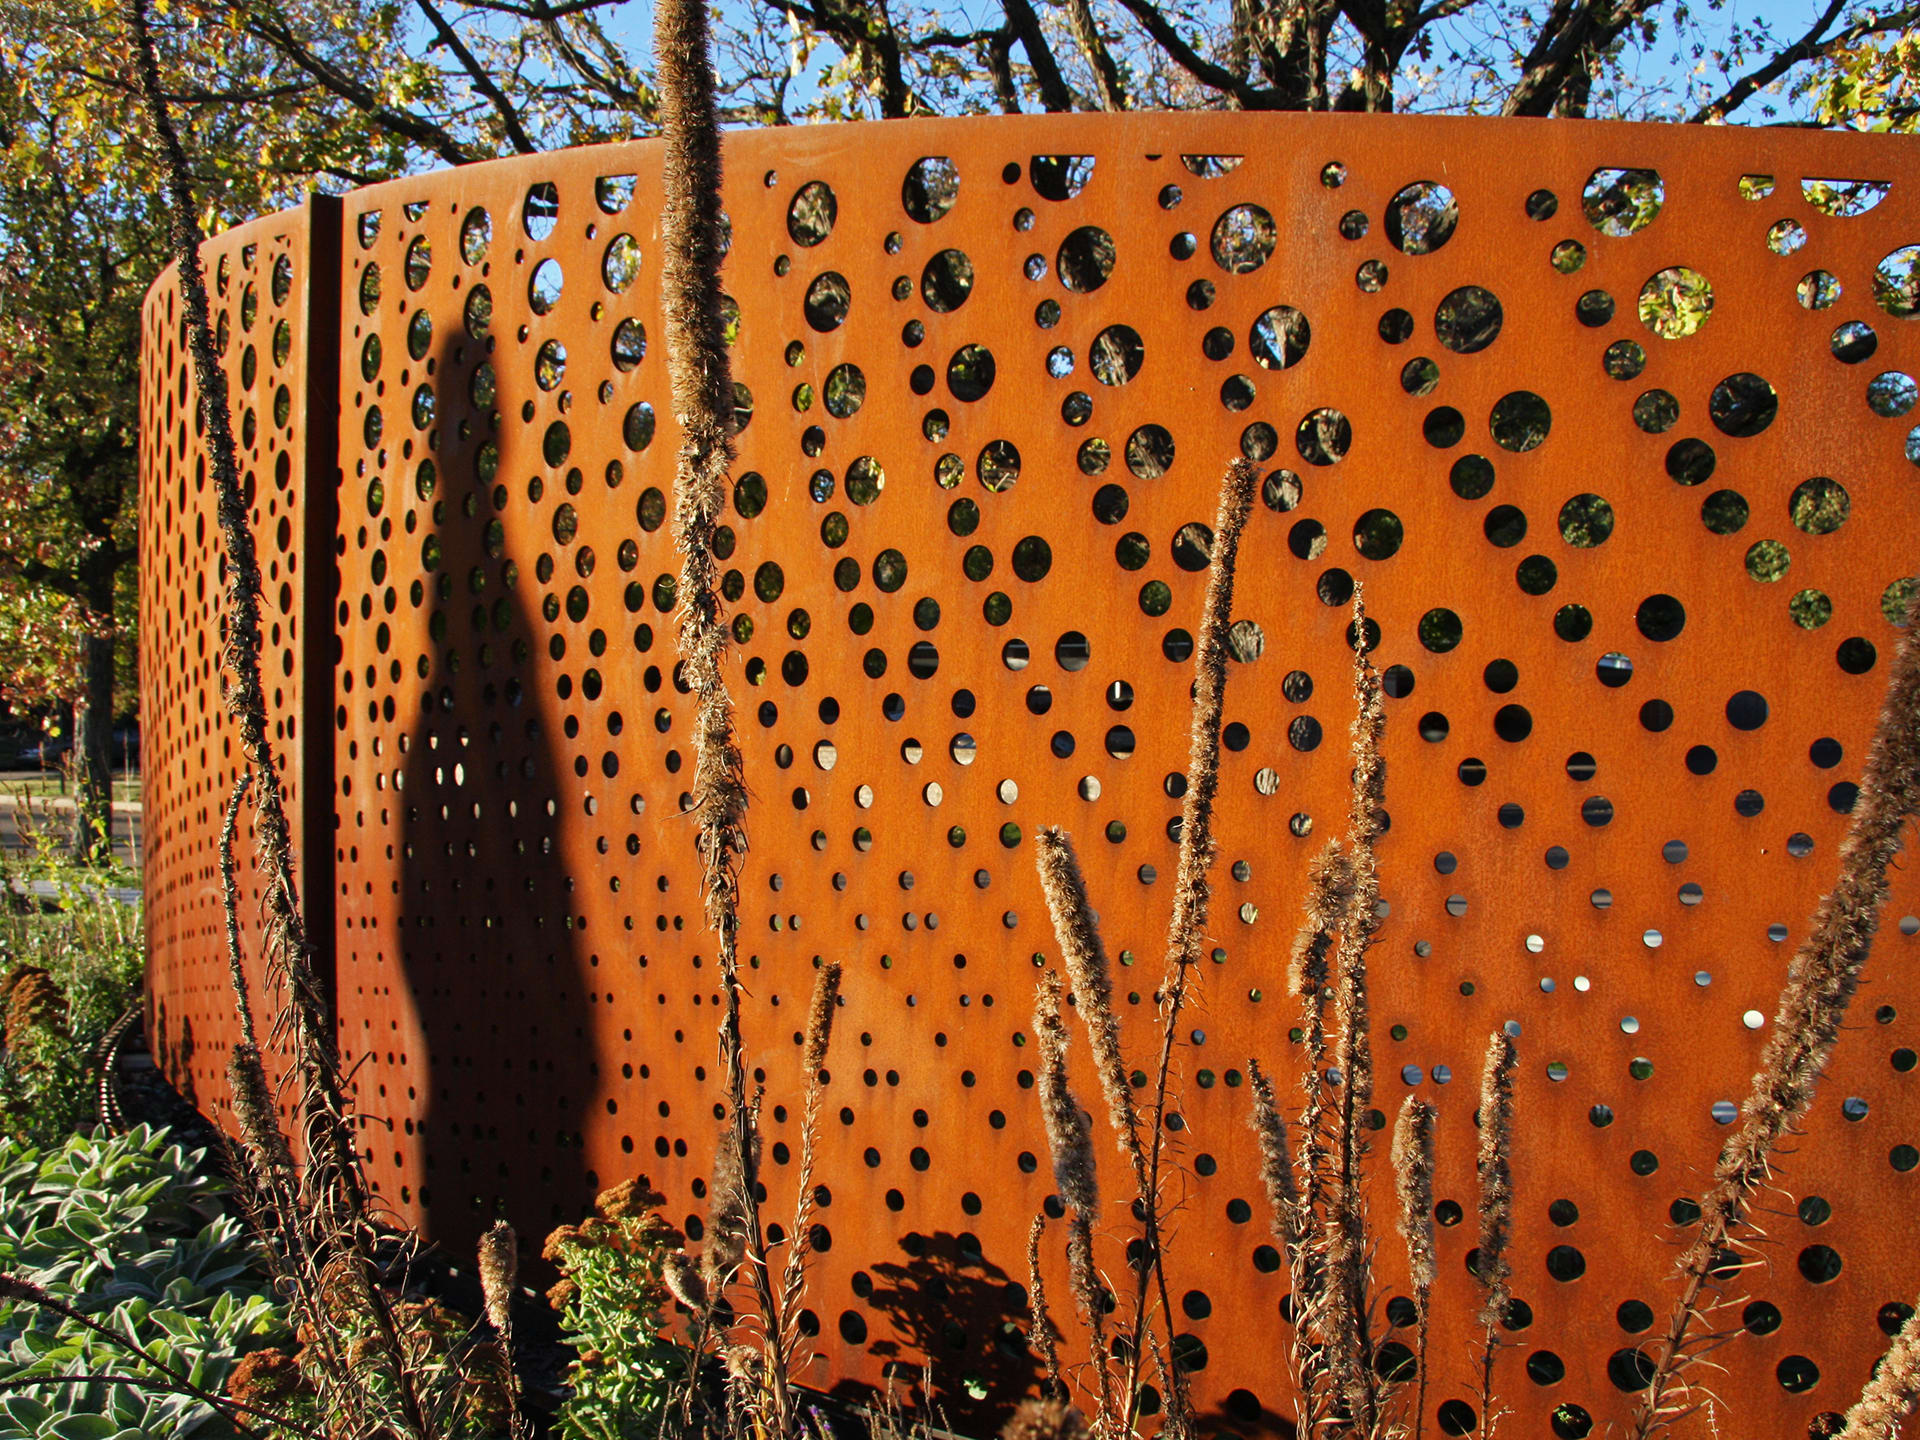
1070 1144
1091 979
1813 1004
1413 1152
813 1060
1046 1335
1192 894
329 1231
692 231
499 1273
1346 1321
1496 1204
499 1265
1893 1390
335 1187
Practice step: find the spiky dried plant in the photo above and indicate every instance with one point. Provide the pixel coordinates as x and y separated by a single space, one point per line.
1070 1146
1143 1139
1820 983
499 1266
1495 1166
693 246
1347 1310
1046 1335
1312 1172
333 1186
1413 1159
1309 977
1296 1227
817 1042
330 1231
1892 1391
1091 979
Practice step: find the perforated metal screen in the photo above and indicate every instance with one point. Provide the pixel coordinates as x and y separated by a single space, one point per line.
273 293
1612 421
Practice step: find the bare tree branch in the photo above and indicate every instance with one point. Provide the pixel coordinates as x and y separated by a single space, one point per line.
400 123
1054 93
1217 77
1808 47
482 81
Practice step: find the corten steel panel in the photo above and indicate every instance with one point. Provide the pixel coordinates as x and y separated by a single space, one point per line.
522 973
271 284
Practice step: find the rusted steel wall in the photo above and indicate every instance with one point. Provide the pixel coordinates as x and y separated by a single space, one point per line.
1632 590
272 286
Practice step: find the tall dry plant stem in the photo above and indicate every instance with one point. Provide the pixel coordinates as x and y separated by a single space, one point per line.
1813 1004
1313 1175
1142 1139
1413 1159
1091 980
499 1266
332 1177
1496 1207
1046 1335
230 897
1893 1390
1070 1145
1309 976
692 235
813 1061
1347 1320
1192 889
1295 1226
329 1234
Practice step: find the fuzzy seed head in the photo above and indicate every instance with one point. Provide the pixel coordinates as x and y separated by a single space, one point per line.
1091 978
1069 1135
684 1281
499 1274
1040 1419
826 994
1496 1174
1413 1172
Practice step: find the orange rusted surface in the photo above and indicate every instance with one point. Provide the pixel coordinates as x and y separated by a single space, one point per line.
272 291
1632 590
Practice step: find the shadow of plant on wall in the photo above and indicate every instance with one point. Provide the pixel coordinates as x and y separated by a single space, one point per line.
950 1304
486 910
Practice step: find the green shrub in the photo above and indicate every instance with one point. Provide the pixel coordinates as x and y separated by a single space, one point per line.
129 1231
66 974
611 1305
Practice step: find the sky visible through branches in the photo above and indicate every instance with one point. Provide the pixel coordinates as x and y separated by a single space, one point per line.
1694 54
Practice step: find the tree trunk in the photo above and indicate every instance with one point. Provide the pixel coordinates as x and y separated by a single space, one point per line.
93 724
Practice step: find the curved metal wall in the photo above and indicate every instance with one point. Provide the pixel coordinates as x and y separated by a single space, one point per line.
1622 738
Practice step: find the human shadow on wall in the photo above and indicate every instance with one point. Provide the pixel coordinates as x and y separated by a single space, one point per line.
487 933
961 1311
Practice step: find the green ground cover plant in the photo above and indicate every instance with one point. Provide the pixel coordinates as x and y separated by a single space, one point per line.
128 1232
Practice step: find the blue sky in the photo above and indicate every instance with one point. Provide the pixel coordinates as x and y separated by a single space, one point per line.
1666 78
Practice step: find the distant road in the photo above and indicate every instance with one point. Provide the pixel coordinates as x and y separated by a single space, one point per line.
55 814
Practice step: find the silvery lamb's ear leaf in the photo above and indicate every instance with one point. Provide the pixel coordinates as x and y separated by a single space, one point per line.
24 1412
82 1427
